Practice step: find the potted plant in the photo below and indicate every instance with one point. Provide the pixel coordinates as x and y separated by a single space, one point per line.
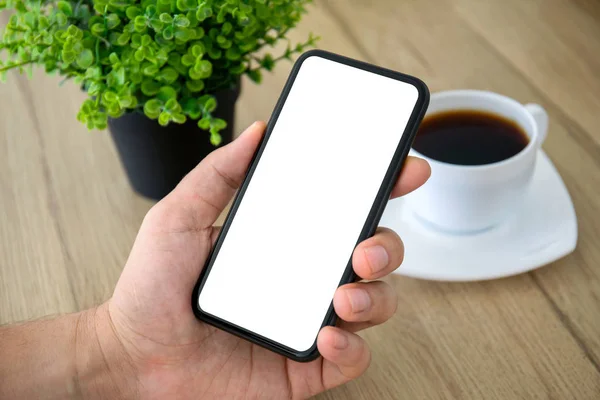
162 75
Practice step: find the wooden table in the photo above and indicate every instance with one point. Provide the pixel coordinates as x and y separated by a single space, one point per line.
68 216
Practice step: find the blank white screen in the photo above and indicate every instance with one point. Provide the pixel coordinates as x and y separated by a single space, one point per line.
307 202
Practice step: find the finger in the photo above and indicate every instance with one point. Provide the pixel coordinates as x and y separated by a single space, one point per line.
379 255
374 302
212 183
414 174
346 356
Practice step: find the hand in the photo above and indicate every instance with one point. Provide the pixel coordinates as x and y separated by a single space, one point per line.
176 356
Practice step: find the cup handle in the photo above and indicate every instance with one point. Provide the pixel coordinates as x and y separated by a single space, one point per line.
541 120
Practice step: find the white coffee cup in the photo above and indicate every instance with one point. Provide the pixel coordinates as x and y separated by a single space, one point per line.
473 198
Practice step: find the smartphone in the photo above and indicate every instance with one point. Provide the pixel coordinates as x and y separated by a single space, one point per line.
316 187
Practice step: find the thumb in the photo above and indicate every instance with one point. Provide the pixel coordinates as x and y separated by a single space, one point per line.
207 189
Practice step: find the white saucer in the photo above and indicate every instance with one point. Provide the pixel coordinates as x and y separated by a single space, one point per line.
544 231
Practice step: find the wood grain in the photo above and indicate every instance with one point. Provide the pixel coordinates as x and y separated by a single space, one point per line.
68 217
552 44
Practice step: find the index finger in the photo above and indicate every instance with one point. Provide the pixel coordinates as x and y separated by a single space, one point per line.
415 173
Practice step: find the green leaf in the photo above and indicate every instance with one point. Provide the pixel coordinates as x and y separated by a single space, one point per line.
109 97
255 75
168 33
185 5
152 108
226 28
113 38
208 103
172 105
150 8
151 70
178 118
85 59
139 55
123 38
97 29
226 44
194 86
165 18
113 58
267 62
168 75
237 69
65 8
204 123
181 21
149 54
101 123
162 56
164 118
157 25
191 16
245 7
127 102
150 87
198 49
146 40
215 139
43 23
132 12
30 20
213 33
195 75
165 93
174 59
68 56
218 124
188 60
183 34
164 5
112 21
221 15
139 24
215 54
61 19
233 54
243 19
191 108
203 13
93 73
153 105
203 68
198 32
95 88
120 76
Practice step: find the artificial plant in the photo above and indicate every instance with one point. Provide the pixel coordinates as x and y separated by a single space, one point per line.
163 57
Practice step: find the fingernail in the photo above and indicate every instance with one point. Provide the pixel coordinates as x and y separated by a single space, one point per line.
340 342
359 300
377 257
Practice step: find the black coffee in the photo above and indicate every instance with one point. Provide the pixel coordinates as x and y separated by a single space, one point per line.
469 137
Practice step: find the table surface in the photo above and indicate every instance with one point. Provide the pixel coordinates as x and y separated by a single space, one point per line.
68 216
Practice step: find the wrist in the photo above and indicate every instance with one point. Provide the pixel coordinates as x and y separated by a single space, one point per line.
104 369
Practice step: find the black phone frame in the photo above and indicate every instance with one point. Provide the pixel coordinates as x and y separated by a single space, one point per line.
370 225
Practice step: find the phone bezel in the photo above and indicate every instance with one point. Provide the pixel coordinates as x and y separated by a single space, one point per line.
370 224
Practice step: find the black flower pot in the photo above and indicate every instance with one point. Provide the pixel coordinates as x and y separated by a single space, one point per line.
156 158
